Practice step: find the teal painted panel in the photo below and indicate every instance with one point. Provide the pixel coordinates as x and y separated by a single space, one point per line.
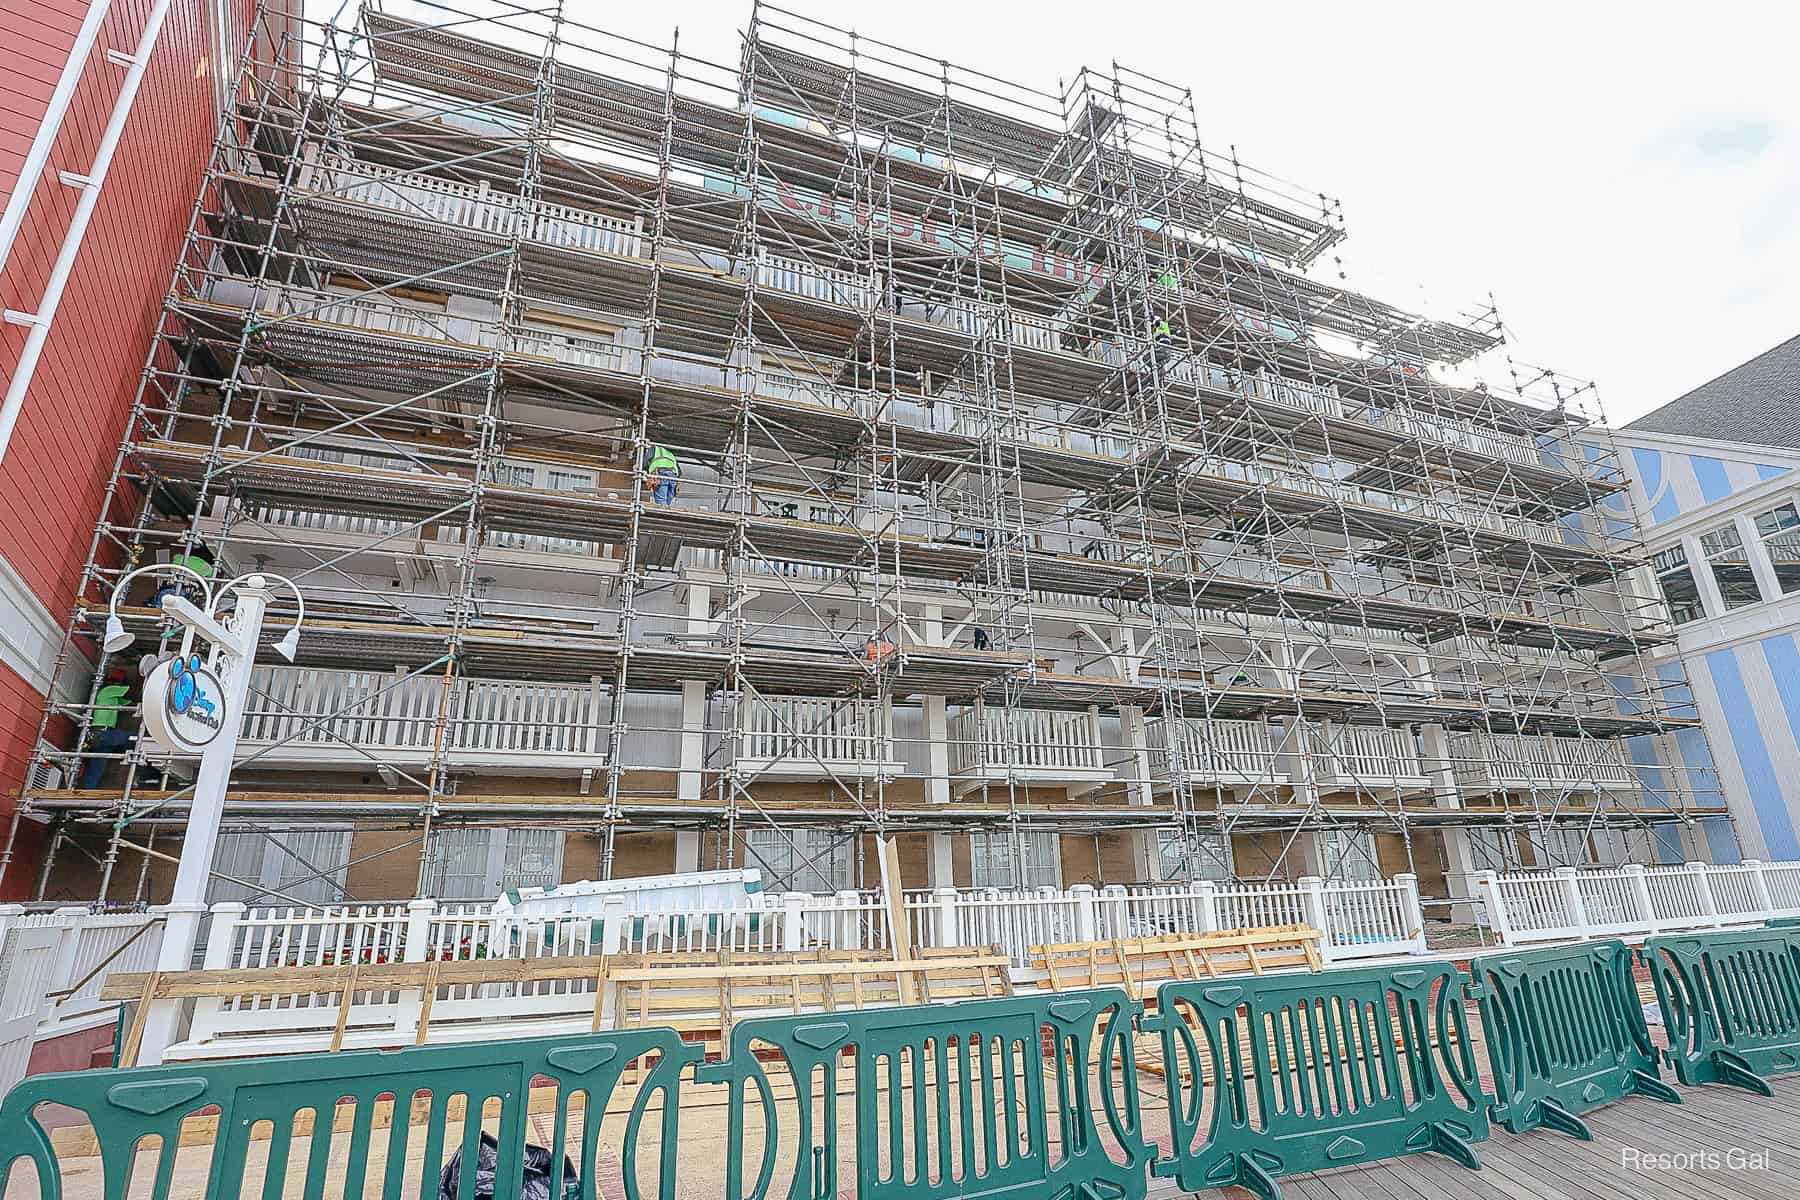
1344 1066
1021 1096
126 1105
1730 1002
1564 1033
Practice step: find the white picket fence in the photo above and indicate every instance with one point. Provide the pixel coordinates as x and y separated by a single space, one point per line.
52 965
1634 901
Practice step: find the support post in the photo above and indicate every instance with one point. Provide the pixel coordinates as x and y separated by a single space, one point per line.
1411 912
1493 905
221 939
1709 905
793 921
1312 904
187 902
1640 895
414 948
1571 892
1087 925
1759 884
945 905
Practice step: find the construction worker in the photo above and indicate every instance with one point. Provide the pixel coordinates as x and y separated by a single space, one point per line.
878 649
178 583
981 639
661 473
105 735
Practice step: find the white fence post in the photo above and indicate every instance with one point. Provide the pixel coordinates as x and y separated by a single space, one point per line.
10 915
1709 905
793 920
947 929
1208 905
1493 905
1640 894
854 933
1312 904
418 942
1412 913
221 939
1086 925
1765 903
612 925
67 921
1577 910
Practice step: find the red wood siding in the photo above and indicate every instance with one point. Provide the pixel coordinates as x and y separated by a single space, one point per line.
20 708
62 451
39 34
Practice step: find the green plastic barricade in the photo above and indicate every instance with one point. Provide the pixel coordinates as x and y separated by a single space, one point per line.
1282 1074
981 1098
273 1114
1564 1033
1730 1002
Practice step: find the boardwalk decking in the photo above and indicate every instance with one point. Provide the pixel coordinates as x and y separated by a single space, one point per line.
1711 1121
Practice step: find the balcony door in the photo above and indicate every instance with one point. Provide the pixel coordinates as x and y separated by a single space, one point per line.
292 867
479 864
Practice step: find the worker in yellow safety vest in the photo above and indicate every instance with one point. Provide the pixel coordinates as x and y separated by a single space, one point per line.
661 472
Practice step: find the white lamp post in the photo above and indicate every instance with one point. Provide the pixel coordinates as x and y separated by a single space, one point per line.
191 704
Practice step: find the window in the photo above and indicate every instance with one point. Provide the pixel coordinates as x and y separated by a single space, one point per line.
801 860
305 866
1730 564
991 860
468 864
1209 857
1350 855
1779 529
1677 583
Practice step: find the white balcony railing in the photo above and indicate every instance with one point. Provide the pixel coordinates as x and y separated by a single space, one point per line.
1033 745
1634 901
361 718
798 737
475 207
1507 761
1215 751
830 285
1352 757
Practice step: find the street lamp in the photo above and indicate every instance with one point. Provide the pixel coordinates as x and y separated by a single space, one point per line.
190 707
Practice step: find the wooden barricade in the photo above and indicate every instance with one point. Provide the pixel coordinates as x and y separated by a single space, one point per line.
696 992
1141 964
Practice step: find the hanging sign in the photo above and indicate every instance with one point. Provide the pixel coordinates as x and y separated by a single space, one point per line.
184 706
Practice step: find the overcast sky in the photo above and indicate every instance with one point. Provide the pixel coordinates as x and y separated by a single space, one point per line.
1623 178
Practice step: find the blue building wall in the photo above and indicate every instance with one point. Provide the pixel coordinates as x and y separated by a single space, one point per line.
1743 666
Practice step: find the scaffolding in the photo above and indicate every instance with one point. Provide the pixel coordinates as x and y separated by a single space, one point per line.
1031 481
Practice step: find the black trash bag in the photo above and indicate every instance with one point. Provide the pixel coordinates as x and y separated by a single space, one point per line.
535 1186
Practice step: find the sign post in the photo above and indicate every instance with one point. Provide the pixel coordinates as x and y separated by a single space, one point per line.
190 707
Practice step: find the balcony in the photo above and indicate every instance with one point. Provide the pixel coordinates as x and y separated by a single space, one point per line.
367 720
1215 752
1365 758
1486 763
1031 746
474 207
789 737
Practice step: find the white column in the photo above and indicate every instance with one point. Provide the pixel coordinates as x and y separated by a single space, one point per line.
941 871
200 840
1459 851
693 730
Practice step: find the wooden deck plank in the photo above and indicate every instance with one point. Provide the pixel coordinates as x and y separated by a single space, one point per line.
1544 1165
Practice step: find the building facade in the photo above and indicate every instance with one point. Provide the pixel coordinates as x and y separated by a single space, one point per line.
1034 501
1714 488
107 117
